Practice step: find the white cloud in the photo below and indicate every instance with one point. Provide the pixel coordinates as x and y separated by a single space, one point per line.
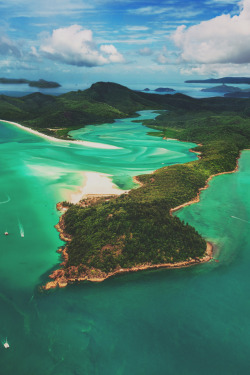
221 70
75 46
165 57
171 11
223 39
148 11
45 8
146 51
137 28
10 65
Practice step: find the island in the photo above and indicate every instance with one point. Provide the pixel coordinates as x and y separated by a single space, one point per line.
41 83
234 80
139 229
161 89
222 89
164 89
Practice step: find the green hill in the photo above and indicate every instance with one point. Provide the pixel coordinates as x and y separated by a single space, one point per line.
102 102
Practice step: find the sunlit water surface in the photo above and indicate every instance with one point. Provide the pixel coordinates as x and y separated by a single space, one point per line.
187 321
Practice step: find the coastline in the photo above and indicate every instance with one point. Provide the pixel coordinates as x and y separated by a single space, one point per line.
197 198
53 139
59 278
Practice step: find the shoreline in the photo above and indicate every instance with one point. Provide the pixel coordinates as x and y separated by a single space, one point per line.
197 198
61 280
53 139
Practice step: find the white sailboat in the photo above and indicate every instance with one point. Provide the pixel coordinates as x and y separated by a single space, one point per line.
6 344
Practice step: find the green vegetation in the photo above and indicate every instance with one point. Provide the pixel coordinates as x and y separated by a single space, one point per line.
103 102
137 228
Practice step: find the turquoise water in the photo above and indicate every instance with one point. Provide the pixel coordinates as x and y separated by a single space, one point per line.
186 322
63 331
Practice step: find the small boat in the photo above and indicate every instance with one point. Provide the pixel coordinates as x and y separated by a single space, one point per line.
6 233
6 344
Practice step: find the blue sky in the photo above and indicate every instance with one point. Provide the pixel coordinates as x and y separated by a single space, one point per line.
79 42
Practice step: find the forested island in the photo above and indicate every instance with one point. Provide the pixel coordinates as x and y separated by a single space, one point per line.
161 89
138 230
41 83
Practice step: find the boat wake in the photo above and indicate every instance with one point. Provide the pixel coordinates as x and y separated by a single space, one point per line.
21 228
238 218
7 201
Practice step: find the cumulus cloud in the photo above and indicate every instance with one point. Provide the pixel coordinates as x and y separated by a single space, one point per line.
75 46
224 39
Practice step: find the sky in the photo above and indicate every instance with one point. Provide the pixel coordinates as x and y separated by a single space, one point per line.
78 42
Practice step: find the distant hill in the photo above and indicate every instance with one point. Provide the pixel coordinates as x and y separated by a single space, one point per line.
239 80
222 88
41 83
102 102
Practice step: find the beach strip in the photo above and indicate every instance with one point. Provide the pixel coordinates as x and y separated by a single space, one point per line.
74 142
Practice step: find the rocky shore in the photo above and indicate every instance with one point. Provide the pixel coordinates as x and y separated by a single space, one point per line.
67 275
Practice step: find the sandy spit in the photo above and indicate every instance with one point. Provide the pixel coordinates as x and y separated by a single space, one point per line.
76 142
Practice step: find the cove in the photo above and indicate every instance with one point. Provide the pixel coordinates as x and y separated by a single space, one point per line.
69 331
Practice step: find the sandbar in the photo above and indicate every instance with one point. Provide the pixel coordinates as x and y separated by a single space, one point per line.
95 184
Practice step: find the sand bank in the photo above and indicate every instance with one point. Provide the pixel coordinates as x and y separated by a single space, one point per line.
65 142
96 184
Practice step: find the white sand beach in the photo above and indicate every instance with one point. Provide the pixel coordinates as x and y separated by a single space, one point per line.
76 142
95 184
